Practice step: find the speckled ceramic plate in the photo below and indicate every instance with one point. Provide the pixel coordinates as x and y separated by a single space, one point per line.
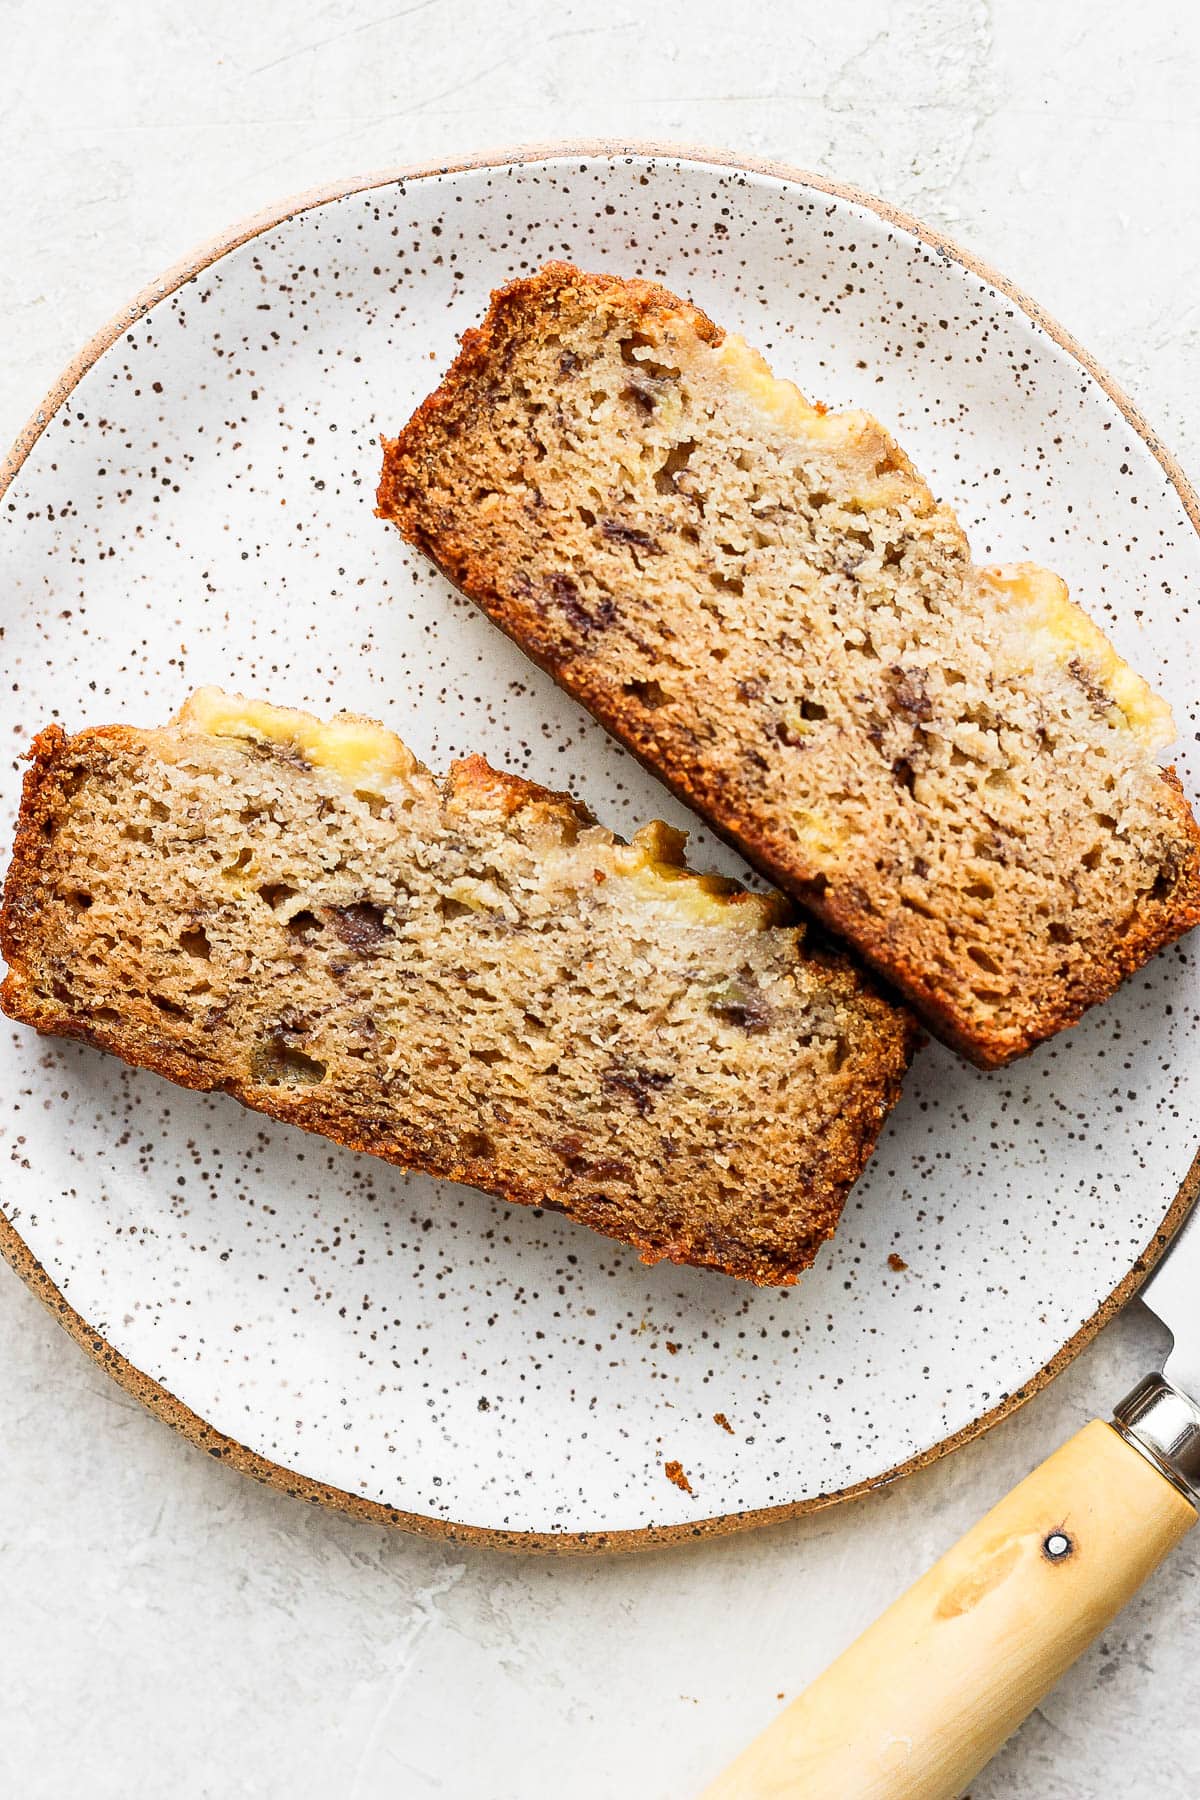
193 504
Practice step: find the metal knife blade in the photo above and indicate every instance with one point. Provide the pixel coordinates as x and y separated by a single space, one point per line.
1160 1417
1173 1294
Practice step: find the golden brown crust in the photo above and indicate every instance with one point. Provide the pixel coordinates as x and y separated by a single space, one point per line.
447 536
473 778
59 763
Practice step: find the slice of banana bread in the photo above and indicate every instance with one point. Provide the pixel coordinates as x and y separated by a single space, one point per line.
949 765
465 976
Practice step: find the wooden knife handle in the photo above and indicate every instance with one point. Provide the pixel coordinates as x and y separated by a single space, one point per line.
915 1707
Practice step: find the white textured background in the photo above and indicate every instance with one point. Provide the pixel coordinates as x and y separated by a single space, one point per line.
169 1629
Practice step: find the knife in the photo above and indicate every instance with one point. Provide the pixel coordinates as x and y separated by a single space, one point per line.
920 1702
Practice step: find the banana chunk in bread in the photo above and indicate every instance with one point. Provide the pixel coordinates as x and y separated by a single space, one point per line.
949 765
467 976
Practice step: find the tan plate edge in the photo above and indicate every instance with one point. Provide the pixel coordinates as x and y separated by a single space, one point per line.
157 1398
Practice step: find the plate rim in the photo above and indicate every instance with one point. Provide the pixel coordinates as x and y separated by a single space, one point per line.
155 1396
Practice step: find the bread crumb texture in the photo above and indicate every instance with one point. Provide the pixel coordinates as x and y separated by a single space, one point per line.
950 765
464 975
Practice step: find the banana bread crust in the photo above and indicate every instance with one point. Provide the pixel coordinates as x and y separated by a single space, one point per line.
416 494
772 1249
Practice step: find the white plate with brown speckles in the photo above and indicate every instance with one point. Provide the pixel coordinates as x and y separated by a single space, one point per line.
194 504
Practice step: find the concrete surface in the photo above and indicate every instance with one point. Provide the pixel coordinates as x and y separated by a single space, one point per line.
170 1629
